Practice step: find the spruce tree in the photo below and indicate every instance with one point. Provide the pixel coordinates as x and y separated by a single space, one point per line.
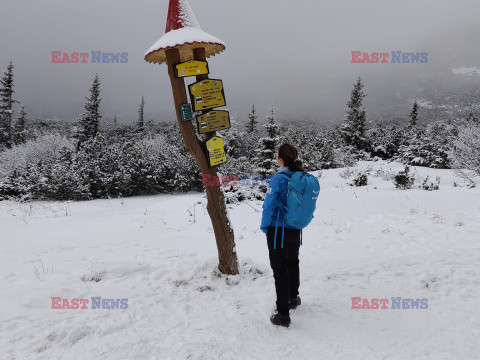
414 114
353 132
6 102
150 125
90 119
266 163
252 121
140 121
233 139
115 120
19 129
251 137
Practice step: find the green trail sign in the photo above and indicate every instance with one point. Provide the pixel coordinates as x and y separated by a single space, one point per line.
186 112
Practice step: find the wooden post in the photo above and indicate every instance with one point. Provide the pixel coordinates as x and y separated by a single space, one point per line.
228 263
199 54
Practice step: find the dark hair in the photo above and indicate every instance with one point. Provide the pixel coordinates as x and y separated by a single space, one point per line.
289 154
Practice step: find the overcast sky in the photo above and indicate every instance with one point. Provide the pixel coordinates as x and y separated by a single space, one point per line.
296 54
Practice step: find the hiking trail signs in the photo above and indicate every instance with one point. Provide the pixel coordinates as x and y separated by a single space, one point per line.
207 94
181 43
213 120
191 68
216 151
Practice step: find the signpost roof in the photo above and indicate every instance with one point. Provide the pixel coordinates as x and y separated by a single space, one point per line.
180 15
184 33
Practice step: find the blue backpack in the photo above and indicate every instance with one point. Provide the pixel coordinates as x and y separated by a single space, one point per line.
302 193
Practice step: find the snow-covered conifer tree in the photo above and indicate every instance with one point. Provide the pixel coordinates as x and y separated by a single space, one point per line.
353 132
466 147
251 136
414 114
232 138
90 119
6 111
19 129
252 121
266 163
140 121
428 147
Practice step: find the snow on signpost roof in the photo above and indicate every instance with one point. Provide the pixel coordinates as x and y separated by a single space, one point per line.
180 15
184 33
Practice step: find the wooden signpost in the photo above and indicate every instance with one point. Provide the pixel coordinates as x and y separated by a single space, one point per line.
177 50
191 68
207 94
213 121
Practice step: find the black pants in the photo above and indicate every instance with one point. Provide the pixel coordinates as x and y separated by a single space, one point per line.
284 263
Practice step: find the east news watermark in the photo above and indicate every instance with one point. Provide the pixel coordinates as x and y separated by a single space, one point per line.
385 303
92 57
96 303
392 57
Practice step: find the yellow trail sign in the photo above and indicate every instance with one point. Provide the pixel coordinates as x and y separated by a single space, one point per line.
207 94
213 121
191 68
216 150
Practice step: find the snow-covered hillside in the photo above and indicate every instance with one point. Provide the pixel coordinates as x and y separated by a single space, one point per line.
370 242
467 71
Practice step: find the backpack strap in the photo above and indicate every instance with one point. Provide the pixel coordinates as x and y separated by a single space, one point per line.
280 207
275 238
284 176
279 203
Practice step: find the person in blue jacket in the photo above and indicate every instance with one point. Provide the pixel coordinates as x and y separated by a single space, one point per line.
283 260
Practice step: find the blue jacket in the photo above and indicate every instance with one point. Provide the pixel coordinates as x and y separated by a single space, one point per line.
276 190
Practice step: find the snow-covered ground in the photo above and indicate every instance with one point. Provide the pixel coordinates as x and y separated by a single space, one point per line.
370 242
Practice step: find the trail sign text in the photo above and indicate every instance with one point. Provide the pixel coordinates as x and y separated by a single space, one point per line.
186 112
207 94
191 68
216 151
213 121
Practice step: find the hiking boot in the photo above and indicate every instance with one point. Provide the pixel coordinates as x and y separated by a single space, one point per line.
279 319
294 302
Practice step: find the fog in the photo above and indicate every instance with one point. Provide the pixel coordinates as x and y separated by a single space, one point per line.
293 54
